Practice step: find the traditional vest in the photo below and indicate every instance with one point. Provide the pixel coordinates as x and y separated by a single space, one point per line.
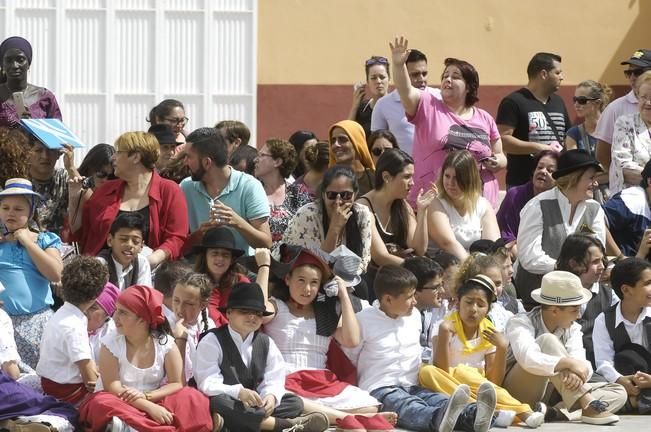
618 334
132 276
553 236
599 303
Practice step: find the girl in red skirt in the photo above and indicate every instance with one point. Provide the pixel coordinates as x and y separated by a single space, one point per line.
140 368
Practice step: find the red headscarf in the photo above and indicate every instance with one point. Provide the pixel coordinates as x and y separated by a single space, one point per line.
145 302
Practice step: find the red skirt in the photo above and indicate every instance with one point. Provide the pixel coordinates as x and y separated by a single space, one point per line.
190 408
314 383
71 393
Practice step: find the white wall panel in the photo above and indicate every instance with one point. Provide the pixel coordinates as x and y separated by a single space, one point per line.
134 52
184 38
84 33
230 72
129 113
86 4
86 115
38 26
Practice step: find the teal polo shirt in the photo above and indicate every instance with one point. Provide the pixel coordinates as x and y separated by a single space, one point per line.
243 193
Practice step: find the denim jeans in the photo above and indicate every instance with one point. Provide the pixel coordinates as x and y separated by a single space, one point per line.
420 409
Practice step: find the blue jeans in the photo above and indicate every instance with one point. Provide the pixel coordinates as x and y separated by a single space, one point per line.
420 409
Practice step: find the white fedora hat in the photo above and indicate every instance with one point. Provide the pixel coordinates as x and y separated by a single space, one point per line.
561 288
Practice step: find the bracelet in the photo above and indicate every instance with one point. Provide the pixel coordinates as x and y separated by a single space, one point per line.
147 396
263 265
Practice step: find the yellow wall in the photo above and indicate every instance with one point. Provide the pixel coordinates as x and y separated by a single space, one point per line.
326 41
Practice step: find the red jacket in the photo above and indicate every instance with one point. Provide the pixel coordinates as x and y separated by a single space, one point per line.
168 216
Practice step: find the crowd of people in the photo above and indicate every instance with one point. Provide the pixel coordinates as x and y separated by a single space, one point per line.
184 280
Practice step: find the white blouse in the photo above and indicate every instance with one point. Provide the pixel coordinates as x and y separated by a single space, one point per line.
467 228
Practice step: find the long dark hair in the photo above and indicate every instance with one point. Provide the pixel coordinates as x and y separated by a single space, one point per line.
353 238
97 157
228 279
575 248
393 161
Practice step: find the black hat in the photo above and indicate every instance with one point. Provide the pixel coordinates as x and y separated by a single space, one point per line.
163 134
641 58
486 246
219 237
573 160
290 256
247 296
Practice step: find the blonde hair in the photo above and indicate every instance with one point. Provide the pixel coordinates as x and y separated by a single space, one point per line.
645 78
467 176
570 180
598 90
143 143
475 264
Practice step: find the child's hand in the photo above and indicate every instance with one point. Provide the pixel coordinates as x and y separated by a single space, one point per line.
159 414
268 404
262 256
90 386
627 382
24 236
571 380
131 394
343 291
180 331
642 380
496 338
446 328
249 398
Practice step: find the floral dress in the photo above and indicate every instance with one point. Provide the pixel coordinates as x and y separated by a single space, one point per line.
296 196
631 149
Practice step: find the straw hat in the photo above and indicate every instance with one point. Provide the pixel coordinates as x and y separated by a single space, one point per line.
561 288
18 186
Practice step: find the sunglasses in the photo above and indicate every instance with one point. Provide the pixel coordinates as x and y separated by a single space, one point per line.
582 100
634 72
104 174
341 139
345 195
375 60
377 151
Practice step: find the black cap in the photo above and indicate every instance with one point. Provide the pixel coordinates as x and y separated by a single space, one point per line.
219 237
163 134
641 58
574 160
247 296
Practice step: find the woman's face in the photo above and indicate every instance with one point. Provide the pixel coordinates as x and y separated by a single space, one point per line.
542 174
379 146
304 283
588 107
342 147
218 261
175 119
377 80
14 212
473 307
122 163
453 86
42 161
100 177
644 97
338 192
126 321
15 65
187 303
399 185
450 184
96 317
586 184
264 163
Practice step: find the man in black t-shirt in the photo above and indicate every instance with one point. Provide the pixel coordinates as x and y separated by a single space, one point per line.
533 118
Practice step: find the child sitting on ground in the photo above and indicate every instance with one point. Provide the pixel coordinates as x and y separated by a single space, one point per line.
66 365
99 318
243 373
126 265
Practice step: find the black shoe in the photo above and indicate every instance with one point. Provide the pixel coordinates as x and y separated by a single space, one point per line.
552 414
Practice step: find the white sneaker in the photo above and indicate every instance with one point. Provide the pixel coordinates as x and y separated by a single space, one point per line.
486 401
457 402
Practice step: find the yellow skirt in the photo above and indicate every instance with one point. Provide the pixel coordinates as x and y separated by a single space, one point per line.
438 380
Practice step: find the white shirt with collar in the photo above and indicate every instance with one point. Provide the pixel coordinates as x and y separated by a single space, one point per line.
144 272
530 253
193 333
389 353
594 289
604 348
64 342
209 377
521 333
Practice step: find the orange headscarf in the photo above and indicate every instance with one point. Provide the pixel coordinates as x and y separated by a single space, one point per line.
358 138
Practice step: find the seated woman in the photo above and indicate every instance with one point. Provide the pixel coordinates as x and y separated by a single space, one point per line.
301 140
316 159
550 217
398 226
348 147
140 189
274 164
379 141
460 215
335 219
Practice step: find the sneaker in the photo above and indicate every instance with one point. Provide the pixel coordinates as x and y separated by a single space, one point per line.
457 402
551 414
504 418
535 420
600 415
217 422
486 401
313 422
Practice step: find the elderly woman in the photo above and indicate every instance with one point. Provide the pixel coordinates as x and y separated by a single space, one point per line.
274 164
460 215
452 123
18 98
139 189
631 148
551 216
348 147
376 69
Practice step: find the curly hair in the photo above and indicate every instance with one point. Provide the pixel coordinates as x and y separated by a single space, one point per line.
83 279
282 149
476 263
14 154
317 157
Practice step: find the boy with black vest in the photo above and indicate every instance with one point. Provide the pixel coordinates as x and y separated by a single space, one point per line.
125 241
243 372
622 334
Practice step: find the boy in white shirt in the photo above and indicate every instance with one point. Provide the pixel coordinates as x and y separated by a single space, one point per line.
126 265
388 358
65 365
546 345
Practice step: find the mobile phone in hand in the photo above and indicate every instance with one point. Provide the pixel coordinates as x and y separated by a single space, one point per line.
19 102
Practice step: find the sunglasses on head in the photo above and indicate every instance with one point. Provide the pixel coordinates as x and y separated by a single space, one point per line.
582 100
634 72
377 60
345 195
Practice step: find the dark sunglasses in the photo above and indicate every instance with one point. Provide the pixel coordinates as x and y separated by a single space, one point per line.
103 174
375 60
345 195
582 100
634 72
377 151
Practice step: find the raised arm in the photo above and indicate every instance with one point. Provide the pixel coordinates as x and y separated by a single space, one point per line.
348 333
418 236
409 96
263 260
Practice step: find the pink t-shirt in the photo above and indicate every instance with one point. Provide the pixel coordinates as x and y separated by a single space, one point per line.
439 130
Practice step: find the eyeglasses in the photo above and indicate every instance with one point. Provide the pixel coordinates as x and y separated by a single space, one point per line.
582 100
375 60
104 174
344 195
377 151
642 99
434 288
177 121
634 72
341 139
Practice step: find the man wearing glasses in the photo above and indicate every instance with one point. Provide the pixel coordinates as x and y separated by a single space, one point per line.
639 63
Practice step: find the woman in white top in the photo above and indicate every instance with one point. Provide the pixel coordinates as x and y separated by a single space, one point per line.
460 215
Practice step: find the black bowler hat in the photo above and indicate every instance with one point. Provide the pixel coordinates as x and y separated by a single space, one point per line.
219 237
641 58
163 134
247 296
574 160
